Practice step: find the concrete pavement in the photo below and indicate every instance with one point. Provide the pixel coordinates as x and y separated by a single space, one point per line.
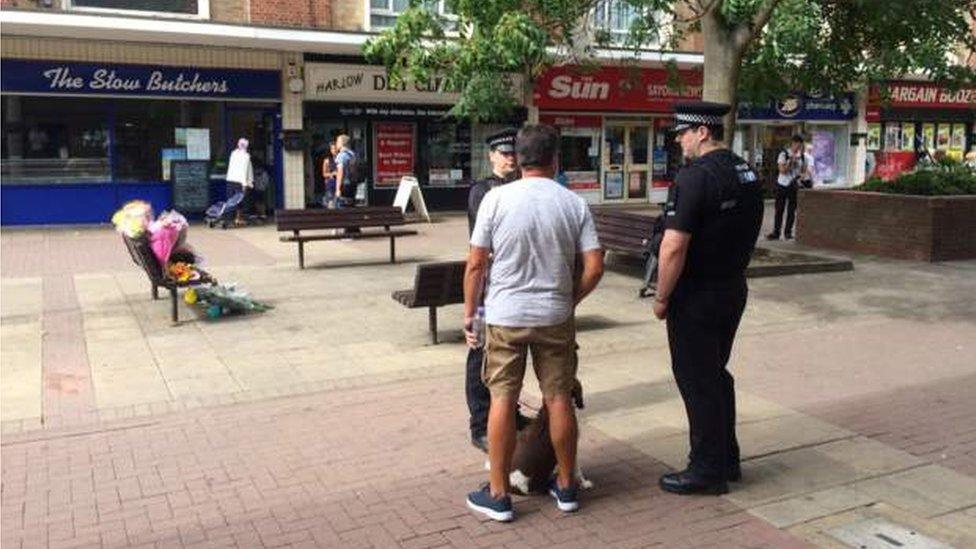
331 421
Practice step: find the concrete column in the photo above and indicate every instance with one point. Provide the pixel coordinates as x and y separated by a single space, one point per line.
856 172
292 113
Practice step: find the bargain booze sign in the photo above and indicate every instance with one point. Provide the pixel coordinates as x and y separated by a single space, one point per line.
924 95
614 89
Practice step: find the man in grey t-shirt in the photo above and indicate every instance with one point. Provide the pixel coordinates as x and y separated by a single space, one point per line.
536 232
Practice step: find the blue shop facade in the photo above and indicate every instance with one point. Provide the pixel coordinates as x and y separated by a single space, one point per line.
82 138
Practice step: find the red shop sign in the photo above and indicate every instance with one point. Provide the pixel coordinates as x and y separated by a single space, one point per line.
613 89
890 164
924 94
571 121
394 146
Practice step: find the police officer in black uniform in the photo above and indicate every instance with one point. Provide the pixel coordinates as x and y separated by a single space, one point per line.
501 154
712 221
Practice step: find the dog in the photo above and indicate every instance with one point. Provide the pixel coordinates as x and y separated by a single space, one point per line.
535 458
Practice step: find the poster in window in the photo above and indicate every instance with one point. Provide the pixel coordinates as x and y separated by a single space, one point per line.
908 137
892 136
942 137
613 185
928 136
824 156
874 137
394 146
198 143
958 140
167 156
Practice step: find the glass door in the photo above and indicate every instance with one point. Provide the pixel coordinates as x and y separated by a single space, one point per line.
626 164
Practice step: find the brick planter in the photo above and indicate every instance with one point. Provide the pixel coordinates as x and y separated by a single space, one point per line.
923 228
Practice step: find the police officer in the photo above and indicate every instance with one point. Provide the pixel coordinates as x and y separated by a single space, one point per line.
712 221
501 154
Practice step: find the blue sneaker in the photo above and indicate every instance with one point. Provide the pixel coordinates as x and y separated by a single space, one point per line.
566 499
495 509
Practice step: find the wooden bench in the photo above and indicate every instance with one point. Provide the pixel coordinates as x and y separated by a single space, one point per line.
434 285
341 219
623 232
143 256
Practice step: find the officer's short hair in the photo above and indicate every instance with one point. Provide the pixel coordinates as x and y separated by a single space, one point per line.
718 132
536 146
797 138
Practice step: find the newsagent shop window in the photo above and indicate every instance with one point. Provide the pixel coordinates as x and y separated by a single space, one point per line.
169 8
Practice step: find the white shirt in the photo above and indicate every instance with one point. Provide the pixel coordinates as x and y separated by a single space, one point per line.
239 168
784 179
535 228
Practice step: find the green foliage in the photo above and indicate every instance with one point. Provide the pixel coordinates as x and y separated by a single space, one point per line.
814 45
945 178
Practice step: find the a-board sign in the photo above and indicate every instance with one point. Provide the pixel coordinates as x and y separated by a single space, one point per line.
191 185
407 192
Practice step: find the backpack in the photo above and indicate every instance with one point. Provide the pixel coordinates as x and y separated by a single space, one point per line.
356 173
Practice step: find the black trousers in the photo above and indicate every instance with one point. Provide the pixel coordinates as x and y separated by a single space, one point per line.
702 320
478 397
785 197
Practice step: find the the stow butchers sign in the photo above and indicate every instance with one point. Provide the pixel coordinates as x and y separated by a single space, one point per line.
370 84
67 78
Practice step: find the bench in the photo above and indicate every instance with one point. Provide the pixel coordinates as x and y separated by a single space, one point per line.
341 219
623 232
143 256
434 285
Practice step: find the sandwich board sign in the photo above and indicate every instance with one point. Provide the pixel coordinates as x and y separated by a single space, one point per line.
409 191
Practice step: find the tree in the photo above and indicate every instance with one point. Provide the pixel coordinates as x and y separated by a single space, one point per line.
753 49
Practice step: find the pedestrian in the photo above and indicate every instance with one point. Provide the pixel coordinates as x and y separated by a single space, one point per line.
240 177
501 155
711 225
536 231
795 170
330 194
346 168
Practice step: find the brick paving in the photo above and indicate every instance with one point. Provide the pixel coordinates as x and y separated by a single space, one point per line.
376 466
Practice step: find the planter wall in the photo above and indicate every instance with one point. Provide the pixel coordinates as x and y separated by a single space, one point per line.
923 228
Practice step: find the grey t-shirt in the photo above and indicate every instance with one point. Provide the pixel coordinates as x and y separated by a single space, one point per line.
534 228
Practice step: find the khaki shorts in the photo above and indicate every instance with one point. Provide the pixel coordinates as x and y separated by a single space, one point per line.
553 351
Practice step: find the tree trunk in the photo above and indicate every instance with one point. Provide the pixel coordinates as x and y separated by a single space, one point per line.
723 57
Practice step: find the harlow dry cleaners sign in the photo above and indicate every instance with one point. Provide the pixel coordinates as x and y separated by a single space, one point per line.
67 78
366 83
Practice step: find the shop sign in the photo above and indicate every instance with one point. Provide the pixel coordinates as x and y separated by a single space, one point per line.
394 146
613 89
890 164
67 78
367 83
924 95
797 106
571 121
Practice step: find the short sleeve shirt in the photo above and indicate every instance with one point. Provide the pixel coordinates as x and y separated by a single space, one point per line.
534 228
785 179
345 158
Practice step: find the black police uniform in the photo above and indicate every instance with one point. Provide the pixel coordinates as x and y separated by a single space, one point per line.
718 200
476 393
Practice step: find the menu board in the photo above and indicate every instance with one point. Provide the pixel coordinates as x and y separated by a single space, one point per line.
394 143
191 185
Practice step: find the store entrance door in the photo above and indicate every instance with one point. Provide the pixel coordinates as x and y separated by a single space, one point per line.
626 161
260 126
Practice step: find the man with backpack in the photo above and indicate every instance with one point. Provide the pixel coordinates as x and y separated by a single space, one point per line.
348 171
795 169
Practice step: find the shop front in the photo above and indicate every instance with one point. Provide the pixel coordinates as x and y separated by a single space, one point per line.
613 123
911 122
82 138
396 131
826 122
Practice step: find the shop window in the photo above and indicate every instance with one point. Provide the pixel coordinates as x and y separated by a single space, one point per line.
480 165
448 154
170 8
614 19
50 140
383 13
579 158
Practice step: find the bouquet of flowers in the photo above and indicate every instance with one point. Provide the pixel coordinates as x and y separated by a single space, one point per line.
223 299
